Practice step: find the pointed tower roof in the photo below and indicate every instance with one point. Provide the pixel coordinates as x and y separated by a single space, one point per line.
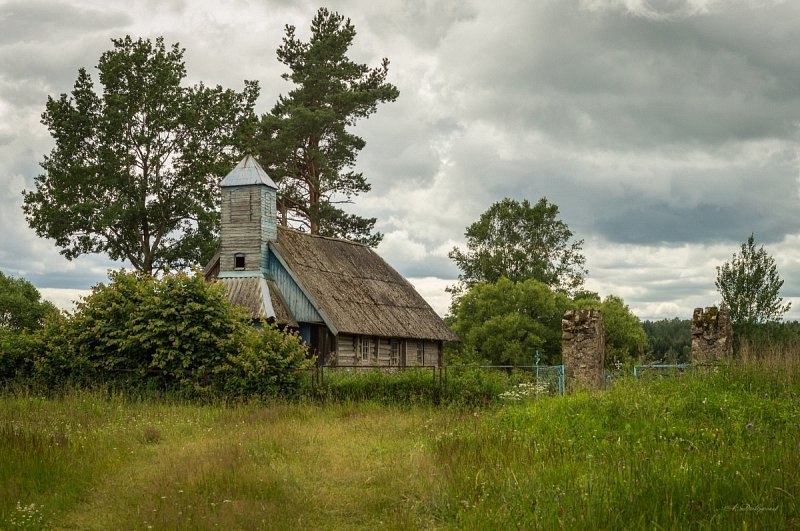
248 171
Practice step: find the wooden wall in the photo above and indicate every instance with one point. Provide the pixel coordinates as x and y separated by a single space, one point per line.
247 224
380 351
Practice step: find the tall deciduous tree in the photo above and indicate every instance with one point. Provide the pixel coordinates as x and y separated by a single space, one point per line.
134 171
305 139
521 241
507 322
750 285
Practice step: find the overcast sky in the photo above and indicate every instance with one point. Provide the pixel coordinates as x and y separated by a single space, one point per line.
665 130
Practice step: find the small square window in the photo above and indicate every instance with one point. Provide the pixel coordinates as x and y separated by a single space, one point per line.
238 261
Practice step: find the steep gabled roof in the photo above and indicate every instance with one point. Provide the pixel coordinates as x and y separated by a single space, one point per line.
356 289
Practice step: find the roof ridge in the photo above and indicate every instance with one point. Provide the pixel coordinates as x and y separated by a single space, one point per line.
320 236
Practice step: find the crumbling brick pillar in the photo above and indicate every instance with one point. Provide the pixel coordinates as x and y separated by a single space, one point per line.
712 336
583 348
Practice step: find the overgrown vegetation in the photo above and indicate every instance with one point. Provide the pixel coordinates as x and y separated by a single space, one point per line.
509 322
176 334
22 313
710 451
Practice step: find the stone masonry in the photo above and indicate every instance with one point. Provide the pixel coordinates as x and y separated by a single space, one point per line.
583 349
712 336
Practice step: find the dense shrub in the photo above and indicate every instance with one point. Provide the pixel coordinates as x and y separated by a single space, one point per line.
22 312
267 362
175 333
15 358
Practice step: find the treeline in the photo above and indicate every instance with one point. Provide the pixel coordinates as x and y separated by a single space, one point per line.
670 340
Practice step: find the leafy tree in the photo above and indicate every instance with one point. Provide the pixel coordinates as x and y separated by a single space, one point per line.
520 241
507 322
304 140
21 305
749 285
22 311
625 337
133 172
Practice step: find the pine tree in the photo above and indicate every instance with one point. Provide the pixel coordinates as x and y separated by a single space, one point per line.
304 140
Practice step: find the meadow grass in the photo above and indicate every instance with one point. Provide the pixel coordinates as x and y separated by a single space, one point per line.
706 450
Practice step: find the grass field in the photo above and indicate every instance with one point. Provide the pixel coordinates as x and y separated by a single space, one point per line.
716 450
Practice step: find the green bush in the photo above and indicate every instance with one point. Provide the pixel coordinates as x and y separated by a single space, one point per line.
16 360
268 362
22 312
177 333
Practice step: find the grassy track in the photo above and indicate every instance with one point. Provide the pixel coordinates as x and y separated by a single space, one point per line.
712 451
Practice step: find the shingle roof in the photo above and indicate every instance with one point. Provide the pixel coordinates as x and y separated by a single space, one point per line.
357 290
260 296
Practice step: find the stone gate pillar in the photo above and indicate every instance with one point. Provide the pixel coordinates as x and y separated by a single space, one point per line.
712 336
583 347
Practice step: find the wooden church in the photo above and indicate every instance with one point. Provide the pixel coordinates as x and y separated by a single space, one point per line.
349 305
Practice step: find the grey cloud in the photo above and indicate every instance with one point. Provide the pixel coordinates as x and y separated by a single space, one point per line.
651 223
34 70
615 80
427 22
433 266
37 21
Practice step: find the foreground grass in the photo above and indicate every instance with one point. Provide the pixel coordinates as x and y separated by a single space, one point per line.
710 451
716 451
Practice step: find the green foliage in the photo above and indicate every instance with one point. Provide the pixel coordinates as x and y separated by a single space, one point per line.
133 170
461 385
304 140
507 322
750 285
177 333
411 386
669 339
625 337
268 362
22 311
521 242
15 354
21 305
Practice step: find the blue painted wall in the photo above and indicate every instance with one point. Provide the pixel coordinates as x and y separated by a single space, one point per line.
298 303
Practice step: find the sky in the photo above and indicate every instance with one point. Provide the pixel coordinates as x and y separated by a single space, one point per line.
666 131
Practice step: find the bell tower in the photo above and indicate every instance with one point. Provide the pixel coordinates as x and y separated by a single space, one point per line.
248 220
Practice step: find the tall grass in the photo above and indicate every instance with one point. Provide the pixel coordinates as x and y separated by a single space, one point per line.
712 450
716 450
455 385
